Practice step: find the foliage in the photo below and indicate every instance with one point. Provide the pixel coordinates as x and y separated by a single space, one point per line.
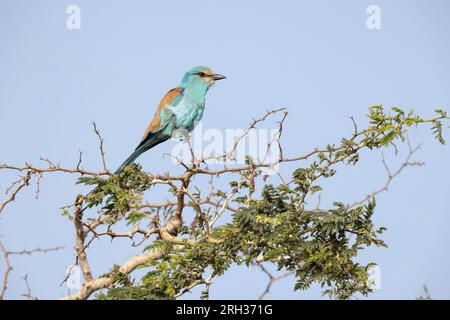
117 192
196 235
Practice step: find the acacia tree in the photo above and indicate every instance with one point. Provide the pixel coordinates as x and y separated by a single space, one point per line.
186 242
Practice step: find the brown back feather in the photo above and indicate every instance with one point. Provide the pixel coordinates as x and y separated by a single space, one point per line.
155 124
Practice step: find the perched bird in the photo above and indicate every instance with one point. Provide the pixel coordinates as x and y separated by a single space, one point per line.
180 109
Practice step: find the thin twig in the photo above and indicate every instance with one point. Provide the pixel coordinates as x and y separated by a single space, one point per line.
7 271
390 175
28 294
102 152
272 279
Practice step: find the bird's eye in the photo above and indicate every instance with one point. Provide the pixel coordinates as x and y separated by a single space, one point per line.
201 74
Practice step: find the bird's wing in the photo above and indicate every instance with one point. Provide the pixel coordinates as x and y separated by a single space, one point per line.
171 98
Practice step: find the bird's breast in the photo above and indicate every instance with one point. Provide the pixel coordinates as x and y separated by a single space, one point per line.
188 114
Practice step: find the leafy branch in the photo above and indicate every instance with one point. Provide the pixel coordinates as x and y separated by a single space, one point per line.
231 224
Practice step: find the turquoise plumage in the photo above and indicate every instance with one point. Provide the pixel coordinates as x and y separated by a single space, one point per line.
180 109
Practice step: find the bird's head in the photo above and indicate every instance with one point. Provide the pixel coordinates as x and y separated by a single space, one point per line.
201 75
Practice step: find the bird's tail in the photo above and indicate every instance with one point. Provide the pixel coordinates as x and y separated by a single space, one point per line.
139 150
145 145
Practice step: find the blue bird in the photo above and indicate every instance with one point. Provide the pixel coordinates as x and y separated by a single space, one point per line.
180 109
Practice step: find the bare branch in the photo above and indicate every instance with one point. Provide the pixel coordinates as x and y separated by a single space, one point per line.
104 282
271 279
224 206
7 271
79 239
28 294
102 152
391 176
12 196
36 250
6 256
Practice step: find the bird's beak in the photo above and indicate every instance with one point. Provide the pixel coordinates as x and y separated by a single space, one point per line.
218 77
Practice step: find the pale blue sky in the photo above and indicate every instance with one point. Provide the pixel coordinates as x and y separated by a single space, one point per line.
317 58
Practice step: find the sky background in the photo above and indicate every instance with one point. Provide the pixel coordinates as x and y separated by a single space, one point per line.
316 58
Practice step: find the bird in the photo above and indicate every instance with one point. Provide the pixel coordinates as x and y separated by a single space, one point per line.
179 110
